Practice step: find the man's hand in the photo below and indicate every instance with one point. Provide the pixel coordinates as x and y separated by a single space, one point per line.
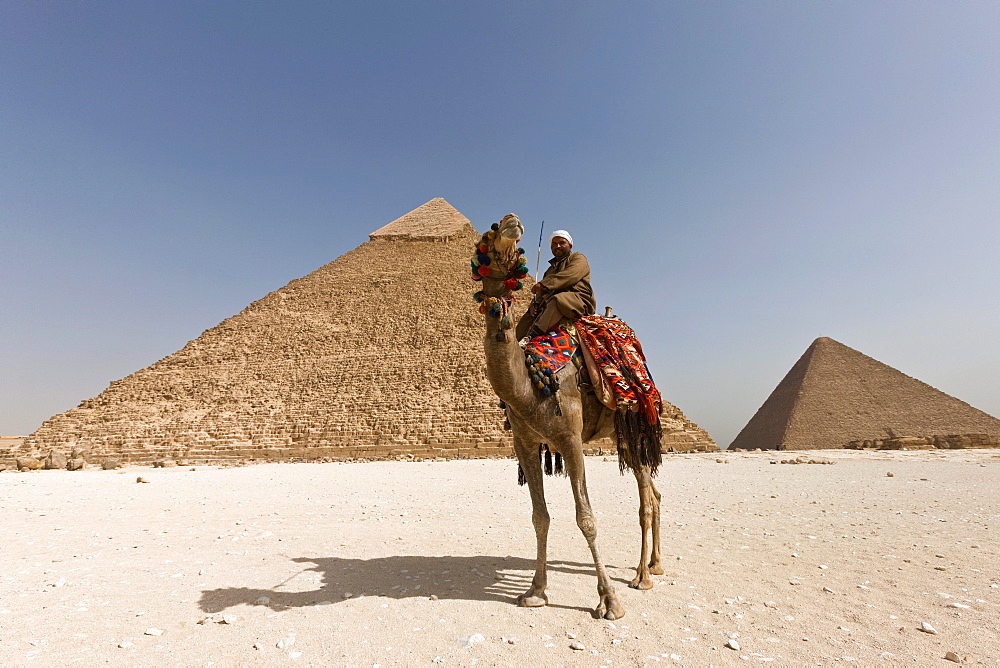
536 288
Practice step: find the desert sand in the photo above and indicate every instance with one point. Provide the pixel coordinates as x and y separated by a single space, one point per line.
418 563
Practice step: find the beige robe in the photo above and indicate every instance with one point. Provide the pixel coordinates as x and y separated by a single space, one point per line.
566 293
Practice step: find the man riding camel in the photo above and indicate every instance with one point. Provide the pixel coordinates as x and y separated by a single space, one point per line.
563 292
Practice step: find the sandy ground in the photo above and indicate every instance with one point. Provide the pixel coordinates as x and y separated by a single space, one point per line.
395 563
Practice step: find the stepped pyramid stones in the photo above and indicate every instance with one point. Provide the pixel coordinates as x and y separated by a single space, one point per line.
837 397
376 354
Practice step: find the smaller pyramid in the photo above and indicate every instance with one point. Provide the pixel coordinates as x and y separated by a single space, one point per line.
837 397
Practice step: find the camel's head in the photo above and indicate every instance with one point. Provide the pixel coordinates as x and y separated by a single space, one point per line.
509 232
498 262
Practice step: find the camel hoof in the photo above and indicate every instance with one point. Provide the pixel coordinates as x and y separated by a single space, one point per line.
656 569
531 601
609 609
641 583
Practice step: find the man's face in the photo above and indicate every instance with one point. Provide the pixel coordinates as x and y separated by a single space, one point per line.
560 248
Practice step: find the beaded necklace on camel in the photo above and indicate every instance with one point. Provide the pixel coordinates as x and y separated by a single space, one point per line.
516 269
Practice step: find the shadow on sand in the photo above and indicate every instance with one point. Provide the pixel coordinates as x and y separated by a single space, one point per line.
480 578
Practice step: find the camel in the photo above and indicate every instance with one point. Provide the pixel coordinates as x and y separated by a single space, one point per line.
564 425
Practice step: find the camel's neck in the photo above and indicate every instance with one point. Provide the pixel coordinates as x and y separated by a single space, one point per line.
505 366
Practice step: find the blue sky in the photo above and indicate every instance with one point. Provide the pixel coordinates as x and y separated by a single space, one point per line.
744 176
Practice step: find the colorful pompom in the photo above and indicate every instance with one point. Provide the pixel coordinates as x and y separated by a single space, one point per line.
483 259
483 271
483 248
495 226
479 297
511 284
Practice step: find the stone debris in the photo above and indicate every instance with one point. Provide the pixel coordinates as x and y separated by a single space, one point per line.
126 645
956 604
951 656
470 640
110 464
28 464
285 643
577 646
263 600
76 464
141 479
57 459
927 628
733 644
153 632
294 655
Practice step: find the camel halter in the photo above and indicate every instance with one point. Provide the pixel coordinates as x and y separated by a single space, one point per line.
484 263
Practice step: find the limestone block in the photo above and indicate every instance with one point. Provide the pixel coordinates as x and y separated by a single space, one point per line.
56 460
28 464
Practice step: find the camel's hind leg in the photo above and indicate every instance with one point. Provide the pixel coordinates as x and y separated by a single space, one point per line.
649 523
527 457
609 606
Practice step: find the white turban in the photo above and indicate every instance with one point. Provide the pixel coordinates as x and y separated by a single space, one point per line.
561 233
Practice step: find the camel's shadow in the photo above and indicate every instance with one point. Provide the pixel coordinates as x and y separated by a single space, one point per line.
480 578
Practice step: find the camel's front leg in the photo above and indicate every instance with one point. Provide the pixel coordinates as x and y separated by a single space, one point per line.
527 457
609 606
649 523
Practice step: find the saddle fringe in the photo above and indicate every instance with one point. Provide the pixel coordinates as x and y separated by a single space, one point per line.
638 441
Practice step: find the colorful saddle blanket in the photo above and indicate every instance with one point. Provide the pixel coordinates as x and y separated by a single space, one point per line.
617 354
548 353
611 349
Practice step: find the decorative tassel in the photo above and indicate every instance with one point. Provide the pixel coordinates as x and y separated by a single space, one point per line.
520 476
638 441
548 462
559 465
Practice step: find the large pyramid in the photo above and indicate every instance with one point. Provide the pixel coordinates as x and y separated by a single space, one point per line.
837 397
376 354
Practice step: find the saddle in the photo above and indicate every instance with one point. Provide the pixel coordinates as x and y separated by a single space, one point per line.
608 350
